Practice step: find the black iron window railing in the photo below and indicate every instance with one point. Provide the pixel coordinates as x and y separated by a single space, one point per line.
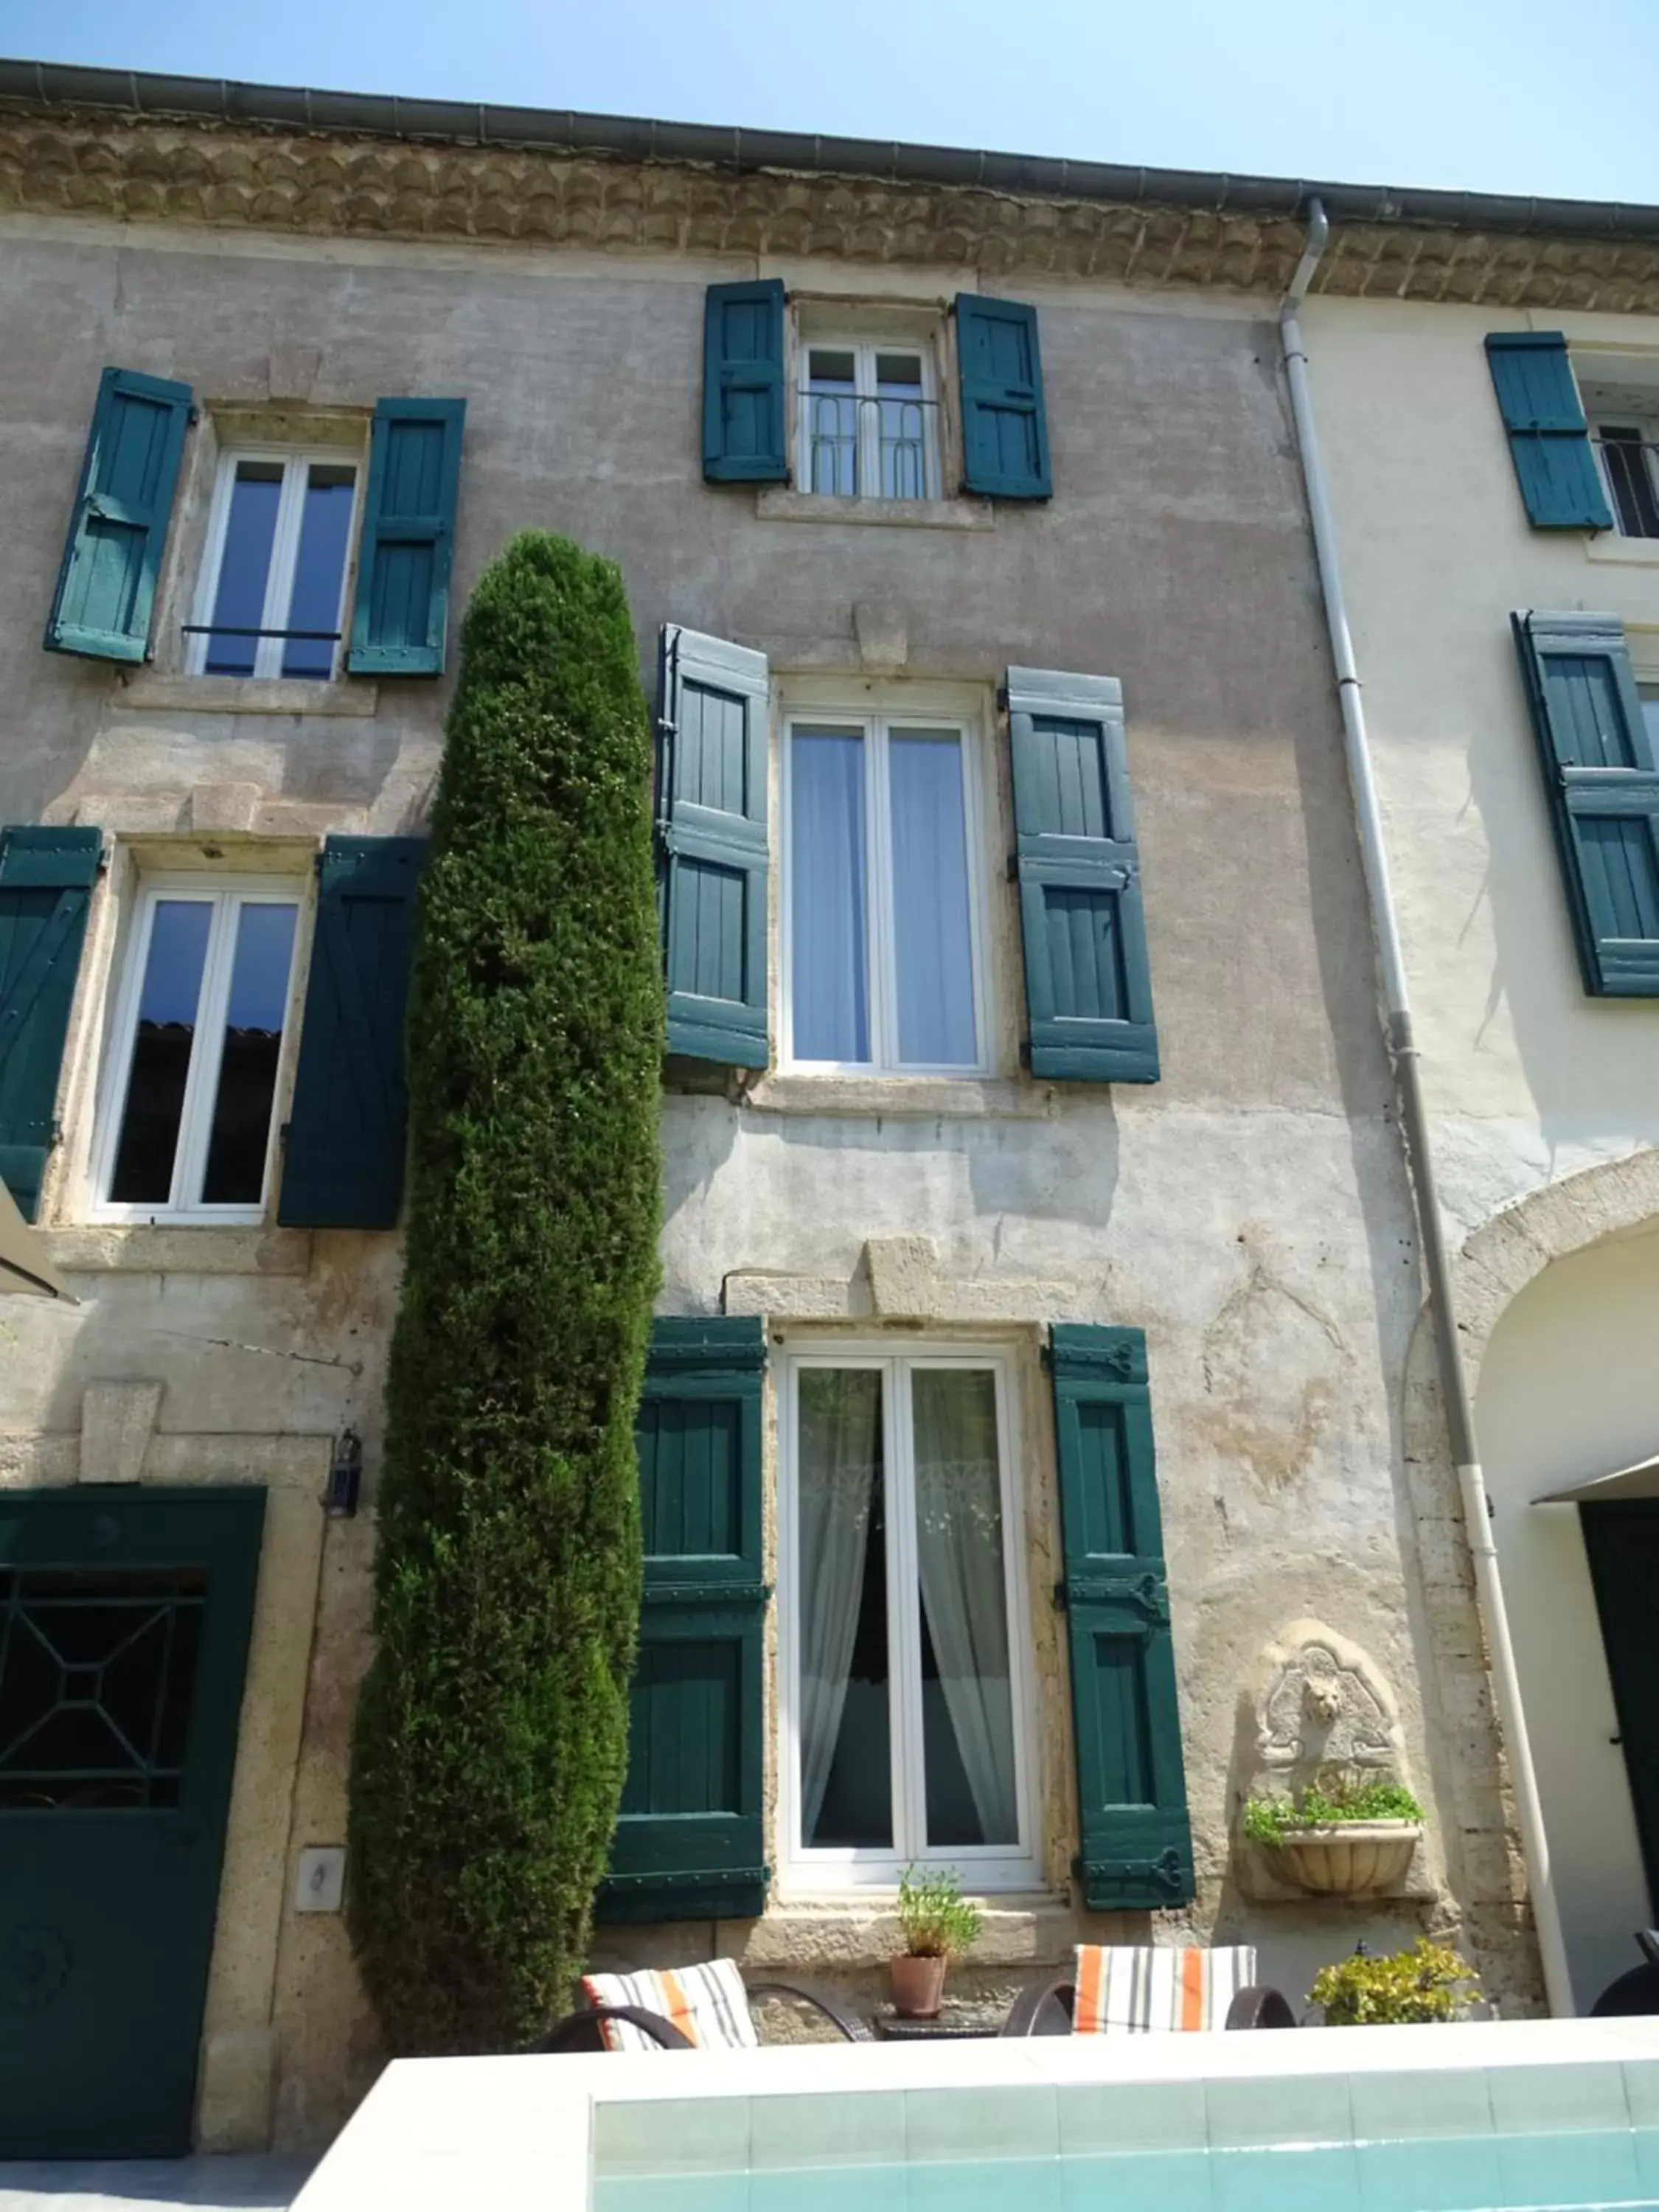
232 648
1630 463
872 446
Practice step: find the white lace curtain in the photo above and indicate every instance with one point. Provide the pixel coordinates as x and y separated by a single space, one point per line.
839 1446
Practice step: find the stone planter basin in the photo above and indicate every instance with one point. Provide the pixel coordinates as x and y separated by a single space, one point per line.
1348 1858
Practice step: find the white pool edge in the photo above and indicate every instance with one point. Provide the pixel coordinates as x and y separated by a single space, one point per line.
507 2134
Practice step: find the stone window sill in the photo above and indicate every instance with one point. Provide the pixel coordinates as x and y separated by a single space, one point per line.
904 1098
774 504
147 691
123 1247
799 1934
1627 552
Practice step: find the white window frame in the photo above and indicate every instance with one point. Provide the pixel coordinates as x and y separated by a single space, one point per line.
985 1868
228 894
868 415
297 463
873 720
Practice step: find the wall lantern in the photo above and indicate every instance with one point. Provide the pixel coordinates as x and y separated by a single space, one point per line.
345 1476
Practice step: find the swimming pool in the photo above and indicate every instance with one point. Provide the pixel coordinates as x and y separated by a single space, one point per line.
1548 2116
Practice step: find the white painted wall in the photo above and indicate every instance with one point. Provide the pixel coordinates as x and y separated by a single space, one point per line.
1570 1388
1527 1079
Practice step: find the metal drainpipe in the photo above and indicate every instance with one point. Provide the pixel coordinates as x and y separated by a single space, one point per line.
1443 1309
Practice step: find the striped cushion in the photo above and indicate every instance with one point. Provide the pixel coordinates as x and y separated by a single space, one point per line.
1148 1988
705 2003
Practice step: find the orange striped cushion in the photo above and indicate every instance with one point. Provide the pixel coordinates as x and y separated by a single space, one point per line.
1147 1989
706 2003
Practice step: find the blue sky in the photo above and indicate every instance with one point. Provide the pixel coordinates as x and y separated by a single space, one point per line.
1501 95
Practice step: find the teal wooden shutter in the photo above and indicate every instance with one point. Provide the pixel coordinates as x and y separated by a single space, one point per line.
1603 793
1088 984
106 590
344 1167
743 404
1005 429
712 848
46 878
401 614
1136 1848
689 1843
1549 439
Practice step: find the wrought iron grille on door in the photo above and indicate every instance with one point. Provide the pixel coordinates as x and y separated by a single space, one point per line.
98 1672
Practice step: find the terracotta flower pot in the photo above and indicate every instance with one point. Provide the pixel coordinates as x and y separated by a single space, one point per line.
1349 1858
918 1985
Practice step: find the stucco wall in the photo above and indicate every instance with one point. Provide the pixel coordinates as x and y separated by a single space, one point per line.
1249 1212
1527 1079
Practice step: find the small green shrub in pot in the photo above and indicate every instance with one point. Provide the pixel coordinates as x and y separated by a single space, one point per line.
1426 1983
938 1924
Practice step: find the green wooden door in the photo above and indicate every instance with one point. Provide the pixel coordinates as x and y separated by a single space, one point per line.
123 1631
1622 1543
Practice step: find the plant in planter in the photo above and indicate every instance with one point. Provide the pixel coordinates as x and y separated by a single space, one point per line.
1341 1838
1426 1983
938 1924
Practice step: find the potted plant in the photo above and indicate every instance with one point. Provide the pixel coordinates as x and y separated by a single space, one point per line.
1347 1839
937 1925
1425 1983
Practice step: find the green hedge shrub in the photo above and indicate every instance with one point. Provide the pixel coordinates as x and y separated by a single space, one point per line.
491 1736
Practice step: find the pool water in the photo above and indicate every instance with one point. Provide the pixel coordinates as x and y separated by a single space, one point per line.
1534 2138
1479 2173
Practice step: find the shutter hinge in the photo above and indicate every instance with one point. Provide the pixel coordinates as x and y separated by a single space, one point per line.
1002 689
1062 1598
317 862
1013 867
1046 1358
281 1135
193 418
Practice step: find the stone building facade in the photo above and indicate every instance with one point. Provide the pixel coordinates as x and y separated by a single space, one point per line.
1222 1257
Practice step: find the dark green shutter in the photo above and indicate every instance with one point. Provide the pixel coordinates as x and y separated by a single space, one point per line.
689 1843
46 878
712 856
1005 429
401 613
1088 985
1549 439
106 584
1603 793
743 404
344 1167
1136 1842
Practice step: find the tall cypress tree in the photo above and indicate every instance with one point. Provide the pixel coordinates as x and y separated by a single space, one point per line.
491 1736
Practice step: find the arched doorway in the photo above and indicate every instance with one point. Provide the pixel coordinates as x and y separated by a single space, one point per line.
1568 1391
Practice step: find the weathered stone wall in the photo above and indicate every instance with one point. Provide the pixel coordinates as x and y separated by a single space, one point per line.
1249 1212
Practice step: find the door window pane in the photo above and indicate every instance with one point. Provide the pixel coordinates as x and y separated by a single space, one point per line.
319 568
967 1692
828 900
166 1037
832 422
245 567
932 942
845 1723
241 1133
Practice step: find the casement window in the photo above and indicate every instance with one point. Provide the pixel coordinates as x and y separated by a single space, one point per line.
1627 447
196 1050
1598 744
867 403
187 1129
271 598
868 420
884 903
883 930
905 1733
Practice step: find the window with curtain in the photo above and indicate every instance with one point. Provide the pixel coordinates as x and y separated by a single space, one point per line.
884 960
905 1704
